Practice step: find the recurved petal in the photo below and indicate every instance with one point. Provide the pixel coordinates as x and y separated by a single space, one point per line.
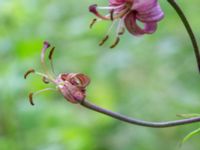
132 27
150 27
135 29
116 2
81 80
142 5
153 14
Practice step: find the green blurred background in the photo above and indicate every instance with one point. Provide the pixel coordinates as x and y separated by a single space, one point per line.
151 77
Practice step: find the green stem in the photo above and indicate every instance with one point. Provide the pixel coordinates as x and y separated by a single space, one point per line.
188 28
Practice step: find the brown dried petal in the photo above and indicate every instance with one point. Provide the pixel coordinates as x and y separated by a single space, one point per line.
77 79
72 93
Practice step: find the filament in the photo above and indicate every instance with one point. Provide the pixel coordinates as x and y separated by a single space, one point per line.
38 92
51 59
28 73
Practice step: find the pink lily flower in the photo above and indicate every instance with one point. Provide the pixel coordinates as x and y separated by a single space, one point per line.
139 17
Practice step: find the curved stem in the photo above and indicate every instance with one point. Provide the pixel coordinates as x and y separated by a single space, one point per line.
123 118
188 28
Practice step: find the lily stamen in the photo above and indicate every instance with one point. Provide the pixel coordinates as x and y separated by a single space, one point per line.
107 35
103 40
46 45
38 92
116 42
45 80
93 22
31 71
112 15
121 13
51 60
28 73
120 28
122 31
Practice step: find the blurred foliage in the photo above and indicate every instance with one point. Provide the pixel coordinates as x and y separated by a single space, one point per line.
151 77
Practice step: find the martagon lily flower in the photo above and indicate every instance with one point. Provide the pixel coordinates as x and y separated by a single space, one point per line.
139 17
71 85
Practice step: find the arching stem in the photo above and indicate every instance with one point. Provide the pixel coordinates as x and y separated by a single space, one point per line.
188 28
134 121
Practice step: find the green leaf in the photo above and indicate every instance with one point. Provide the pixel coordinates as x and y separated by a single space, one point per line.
191 134
188 115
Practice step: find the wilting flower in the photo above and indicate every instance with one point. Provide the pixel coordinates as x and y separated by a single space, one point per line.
71 85
138 16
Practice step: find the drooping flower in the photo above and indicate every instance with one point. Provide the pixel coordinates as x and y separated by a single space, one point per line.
139 17
71 85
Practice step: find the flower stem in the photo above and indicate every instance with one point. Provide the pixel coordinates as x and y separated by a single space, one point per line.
188 28
123 118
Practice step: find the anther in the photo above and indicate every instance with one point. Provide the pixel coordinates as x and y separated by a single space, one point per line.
31 98
50 58
111 15
51 53
103 40
45 80
122 31
115 43
28 72
93 22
